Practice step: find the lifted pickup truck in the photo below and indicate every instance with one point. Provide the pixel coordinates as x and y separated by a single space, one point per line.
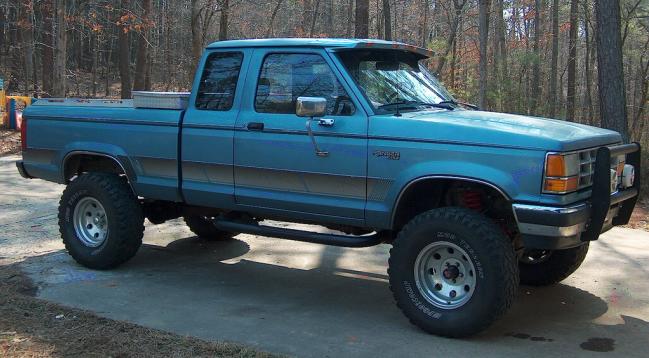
354 135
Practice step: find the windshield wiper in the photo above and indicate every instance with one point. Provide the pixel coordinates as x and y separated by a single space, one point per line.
443 105
456 103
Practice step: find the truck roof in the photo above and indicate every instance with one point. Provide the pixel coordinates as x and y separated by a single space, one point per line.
320 42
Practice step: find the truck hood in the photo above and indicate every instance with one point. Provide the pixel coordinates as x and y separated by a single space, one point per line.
491 129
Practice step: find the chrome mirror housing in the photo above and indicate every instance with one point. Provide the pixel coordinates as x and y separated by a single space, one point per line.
311 107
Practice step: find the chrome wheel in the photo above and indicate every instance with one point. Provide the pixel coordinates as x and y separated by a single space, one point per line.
90 222
445 275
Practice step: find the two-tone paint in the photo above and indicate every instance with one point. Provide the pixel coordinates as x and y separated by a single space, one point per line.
211 158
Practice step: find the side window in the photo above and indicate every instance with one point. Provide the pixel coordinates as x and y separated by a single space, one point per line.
219 81
285 77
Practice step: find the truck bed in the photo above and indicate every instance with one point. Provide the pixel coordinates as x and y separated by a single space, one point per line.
61 127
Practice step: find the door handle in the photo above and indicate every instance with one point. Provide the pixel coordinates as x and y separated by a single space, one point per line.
255 126
326 122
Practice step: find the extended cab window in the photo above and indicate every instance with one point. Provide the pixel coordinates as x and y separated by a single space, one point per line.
285 77
219 81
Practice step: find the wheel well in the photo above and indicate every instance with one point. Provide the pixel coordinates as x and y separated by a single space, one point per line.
77 164
434 193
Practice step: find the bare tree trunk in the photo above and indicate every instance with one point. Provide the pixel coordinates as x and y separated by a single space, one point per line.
314 17
141 56
361 23
27 12
588 100
350 19
572 61
453 71
124 54
197 36
95 63
4 43
307 13
329 19
424 25
612 96
459 8
483 29
554 67
637 130
59 86
270 33
387 21
223 23
499 51
536 68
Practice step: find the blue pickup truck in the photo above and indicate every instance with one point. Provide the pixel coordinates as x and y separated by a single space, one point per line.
353 135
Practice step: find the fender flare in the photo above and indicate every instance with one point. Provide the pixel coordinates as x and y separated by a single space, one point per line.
395 206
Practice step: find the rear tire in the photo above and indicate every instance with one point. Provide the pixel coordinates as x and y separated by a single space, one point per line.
203 228
466 296
542 268
100 220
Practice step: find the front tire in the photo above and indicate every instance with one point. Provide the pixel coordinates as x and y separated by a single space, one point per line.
100 220
543 268
453 272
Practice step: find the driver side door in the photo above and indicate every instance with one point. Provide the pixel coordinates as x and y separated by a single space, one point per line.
276 168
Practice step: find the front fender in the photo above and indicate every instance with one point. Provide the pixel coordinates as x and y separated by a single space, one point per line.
515 173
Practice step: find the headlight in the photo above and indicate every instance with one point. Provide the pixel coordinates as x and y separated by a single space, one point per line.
561 173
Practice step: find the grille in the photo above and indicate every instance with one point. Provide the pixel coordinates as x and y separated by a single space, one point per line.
586 167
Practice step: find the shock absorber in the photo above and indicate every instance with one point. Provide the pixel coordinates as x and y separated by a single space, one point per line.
472 199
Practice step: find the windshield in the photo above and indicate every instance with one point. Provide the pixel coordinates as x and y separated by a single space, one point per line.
394 80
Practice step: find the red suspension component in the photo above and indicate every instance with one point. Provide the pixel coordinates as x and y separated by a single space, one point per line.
472 199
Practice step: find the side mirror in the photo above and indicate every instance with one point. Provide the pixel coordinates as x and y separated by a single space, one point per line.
311 107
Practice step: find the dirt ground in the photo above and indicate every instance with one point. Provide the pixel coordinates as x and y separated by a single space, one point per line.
30 327
9 142
640 217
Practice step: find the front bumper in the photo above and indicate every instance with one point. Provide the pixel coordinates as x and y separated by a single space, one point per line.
555 228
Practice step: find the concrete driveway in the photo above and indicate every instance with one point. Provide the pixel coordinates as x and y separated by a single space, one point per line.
316 301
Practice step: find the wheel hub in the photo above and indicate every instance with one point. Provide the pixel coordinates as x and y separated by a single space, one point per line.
90 222
445 275
451 273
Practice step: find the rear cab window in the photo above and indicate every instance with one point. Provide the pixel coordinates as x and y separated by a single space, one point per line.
219 79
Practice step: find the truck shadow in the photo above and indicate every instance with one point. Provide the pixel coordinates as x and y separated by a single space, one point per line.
222 300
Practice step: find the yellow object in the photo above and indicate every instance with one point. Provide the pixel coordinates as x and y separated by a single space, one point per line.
562 185
26 100
4 105
555 166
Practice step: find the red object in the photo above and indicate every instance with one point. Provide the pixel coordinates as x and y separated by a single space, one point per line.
473 200
22 123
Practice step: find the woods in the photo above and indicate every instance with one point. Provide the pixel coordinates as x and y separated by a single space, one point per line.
537 57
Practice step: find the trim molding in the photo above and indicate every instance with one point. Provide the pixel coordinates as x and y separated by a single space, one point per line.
104 120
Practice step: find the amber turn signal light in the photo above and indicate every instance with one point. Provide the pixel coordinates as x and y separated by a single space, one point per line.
555 166
562 185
